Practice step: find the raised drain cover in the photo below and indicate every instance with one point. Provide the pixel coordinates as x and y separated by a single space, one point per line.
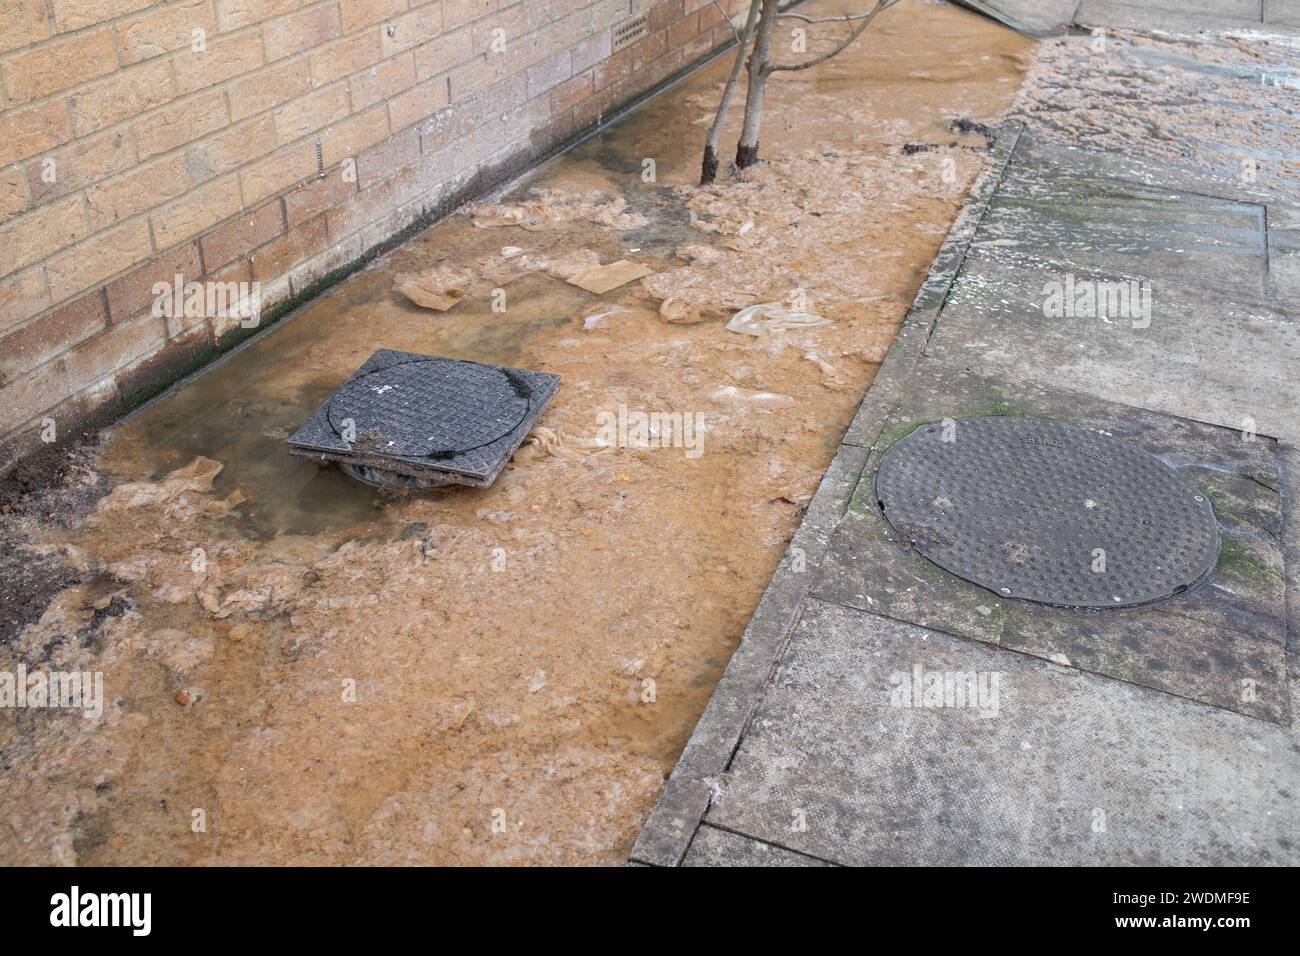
428 407
1047 512
419 421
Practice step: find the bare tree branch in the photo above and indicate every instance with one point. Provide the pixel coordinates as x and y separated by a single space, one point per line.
843 18
864 20
734 32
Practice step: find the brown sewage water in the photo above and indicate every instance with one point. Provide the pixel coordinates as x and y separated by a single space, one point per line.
325 673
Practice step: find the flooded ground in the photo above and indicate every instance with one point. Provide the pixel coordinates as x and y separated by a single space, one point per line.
299 668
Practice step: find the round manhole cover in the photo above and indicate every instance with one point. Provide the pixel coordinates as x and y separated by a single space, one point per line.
1047 512
426 408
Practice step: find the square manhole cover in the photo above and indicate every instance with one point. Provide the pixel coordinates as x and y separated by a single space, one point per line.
411 420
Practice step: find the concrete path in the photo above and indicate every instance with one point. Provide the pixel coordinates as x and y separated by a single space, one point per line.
1051 17
1158 735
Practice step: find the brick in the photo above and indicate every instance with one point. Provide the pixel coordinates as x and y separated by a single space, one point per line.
550 38
240 236
278 171
224 58
233 14
571 92
309 113
591 51
26 132
382 81
613 70
267 89
79 164
32 394
442 53
463 119
133 292
402 33
549 73
650 48
513 23
230 149
99 257
710 15
13 193
275 258
684 30
355 14
344 57
72 15
364 207
164 29
196 211
45 338
664 14
43 231
300 31
180 123
128 93
479 74
311 199
238 271
62 64
22 295
22 22
384 161
143 188
116 346
418 103
354 134
457 13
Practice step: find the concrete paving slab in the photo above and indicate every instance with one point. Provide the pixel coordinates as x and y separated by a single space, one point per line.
1221 643
673 821
1204 334
1281 12
1064 768
1039 18
714 847
1188 18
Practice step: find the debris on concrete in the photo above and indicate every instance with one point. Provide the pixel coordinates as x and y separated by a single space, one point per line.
602 279
766 318
438 288
549 207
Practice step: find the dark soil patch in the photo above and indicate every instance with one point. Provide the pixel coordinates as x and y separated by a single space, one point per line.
55 486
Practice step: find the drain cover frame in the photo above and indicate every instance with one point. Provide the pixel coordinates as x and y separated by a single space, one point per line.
428 408
369 460
1022 507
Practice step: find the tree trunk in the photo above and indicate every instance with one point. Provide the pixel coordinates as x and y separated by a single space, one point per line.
759 71
709 165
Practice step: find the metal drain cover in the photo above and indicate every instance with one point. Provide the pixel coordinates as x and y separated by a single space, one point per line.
405 420
428 407
1047 512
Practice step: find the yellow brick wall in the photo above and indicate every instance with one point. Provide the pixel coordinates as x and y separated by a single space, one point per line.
275 141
